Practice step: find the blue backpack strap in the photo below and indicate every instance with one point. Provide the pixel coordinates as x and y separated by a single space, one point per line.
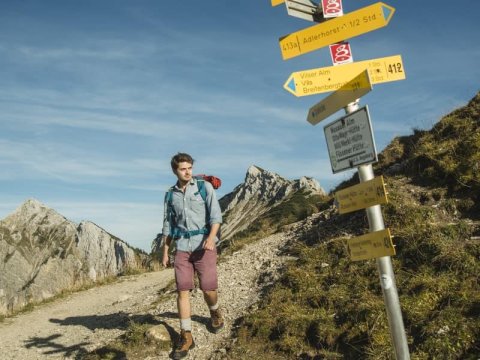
201 188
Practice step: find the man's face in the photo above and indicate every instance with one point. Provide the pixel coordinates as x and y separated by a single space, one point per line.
184 171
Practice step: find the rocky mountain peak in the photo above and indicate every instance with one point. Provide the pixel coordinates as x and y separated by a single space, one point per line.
43 253
261 191
311 184
30 207
34 214
253 171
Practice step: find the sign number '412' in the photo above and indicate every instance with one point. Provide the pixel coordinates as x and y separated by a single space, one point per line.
395 68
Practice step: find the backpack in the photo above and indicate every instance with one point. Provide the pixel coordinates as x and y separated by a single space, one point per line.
175 232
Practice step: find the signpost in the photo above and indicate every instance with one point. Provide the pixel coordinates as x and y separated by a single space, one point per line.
354 89
331 78
361 196
372 245
350 141
335 30
350 138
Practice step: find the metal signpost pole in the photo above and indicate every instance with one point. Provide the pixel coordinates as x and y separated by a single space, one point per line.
385 269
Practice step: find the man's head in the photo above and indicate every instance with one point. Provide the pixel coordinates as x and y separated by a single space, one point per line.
182 165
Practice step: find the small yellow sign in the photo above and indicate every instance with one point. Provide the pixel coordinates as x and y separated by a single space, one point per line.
332 78
335 30
354 89
277 2
361 196
372 245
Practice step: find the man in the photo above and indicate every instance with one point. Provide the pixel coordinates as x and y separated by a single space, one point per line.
192 223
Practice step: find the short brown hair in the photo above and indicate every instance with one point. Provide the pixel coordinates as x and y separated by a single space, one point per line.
180 157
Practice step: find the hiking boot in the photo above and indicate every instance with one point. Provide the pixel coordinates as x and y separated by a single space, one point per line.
184 345
216 320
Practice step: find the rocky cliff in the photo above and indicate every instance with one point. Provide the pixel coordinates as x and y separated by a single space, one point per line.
42 253
261 191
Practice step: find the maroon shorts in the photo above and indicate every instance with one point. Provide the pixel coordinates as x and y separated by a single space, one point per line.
203 262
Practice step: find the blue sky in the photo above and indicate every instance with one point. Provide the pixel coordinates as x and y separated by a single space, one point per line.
96 96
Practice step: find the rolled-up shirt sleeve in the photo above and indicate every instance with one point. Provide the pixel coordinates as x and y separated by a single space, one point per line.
213 205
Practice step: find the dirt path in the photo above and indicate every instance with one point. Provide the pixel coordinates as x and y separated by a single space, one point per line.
80 322
87 320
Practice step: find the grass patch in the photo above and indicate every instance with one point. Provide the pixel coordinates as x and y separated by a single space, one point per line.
133 344
327 307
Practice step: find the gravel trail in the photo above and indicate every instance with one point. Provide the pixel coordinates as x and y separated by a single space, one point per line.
87 320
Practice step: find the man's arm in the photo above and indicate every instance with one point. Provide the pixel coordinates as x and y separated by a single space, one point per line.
215 216
209 243
167 240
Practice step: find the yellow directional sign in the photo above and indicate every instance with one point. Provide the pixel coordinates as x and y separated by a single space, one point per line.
277 2
372 245
339 29
354 89
361 196
321 80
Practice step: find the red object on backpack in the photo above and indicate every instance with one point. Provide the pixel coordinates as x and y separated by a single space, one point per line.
215 181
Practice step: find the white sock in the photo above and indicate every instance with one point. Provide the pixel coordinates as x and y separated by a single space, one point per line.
186 324
214 307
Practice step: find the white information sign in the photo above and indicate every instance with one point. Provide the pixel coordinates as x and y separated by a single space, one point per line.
304 9
350 141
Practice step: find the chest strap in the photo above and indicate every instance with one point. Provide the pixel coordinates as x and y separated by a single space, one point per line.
177 233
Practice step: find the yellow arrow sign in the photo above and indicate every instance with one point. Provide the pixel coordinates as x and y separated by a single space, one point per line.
321 80
354 89
372 245
339 29
277 2
361 196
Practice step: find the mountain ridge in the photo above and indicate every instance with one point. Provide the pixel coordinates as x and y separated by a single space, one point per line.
261 191
42 253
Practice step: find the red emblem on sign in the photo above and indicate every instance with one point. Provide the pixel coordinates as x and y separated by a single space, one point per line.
332 8
341 53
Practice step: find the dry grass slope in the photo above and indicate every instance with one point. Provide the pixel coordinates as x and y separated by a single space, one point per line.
328 307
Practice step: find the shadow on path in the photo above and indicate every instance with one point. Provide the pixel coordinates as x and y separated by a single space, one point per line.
118 320
52 344
48 343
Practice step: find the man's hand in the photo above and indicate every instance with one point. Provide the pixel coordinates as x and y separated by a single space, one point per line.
209 243
165 259
166 246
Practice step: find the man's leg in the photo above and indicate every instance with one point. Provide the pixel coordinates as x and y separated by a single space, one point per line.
184 272
211 297
183 305
206 267
184 279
